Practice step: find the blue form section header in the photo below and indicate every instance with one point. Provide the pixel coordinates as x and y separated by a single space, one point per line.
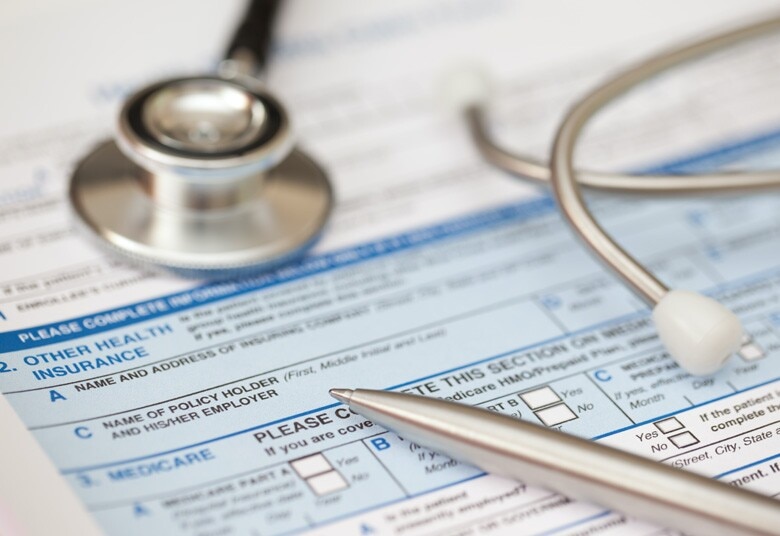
147 310
150 309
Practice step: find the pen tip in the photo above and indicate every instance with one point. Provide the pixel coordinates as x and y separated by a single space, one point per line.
342 395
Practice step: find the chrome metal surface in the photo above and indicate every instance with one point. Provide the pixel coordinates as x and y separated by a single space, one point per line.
203 178
564 177
205 127
573 466
270 224
203 116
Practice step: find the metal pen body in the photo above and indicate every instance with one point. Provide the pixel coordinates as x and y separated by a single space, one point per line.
575 467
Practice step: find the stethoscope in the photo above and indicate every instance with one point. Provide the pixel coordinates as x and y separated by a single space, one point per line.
697 331
203 180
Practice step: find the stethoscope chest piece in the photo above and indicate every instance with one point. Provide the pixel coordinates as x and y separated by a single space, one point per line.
203 180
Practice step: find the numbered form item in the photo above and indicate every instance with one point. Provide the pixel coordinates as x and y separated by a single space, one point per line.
138 403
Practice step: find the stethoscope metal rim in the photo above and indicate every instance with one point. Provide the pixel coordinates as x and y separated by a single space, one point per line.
136 142
210 213
281 222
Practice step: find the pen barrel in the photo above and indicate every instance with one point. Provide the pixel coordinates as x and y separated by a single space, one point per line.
575 467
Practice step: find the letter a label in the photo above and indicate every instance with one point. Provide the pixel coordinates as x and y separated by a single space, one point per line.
55 396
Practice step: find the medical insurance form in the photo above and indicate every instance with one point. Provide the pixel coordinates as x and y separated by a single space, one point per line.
177 407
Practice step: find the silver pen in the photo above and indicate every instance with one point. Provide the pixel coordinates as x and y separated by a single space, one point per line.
575 467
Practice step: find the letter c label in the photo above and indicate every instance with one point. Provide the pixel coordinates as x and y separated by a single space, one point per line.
602 375
82 432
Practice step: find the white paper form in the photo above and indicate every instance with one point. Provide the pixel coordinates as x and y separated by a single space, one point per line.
175 407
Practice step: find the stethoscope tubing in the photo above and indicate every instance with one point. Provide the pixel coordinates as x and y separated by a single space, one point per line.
529 168
564 178
566 182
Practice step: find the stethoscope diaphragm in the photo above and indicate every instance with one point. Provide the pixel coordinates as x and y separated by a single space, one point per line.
203 180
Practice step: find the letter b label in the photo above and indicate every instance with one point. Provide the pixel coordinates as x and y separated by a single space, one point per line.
380 443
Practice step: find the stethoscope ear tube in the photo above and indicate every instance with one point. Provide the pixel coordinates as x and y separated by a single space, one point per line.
254 34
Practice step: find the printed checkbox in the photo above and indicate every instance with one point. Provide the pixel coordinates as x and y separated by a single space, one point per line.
311 465
751 352
669 425
539 398
684 439
327 483
555 415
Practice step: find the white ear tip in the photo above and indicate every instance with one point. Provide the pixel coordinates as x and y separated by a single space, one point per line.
699 333
464 86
